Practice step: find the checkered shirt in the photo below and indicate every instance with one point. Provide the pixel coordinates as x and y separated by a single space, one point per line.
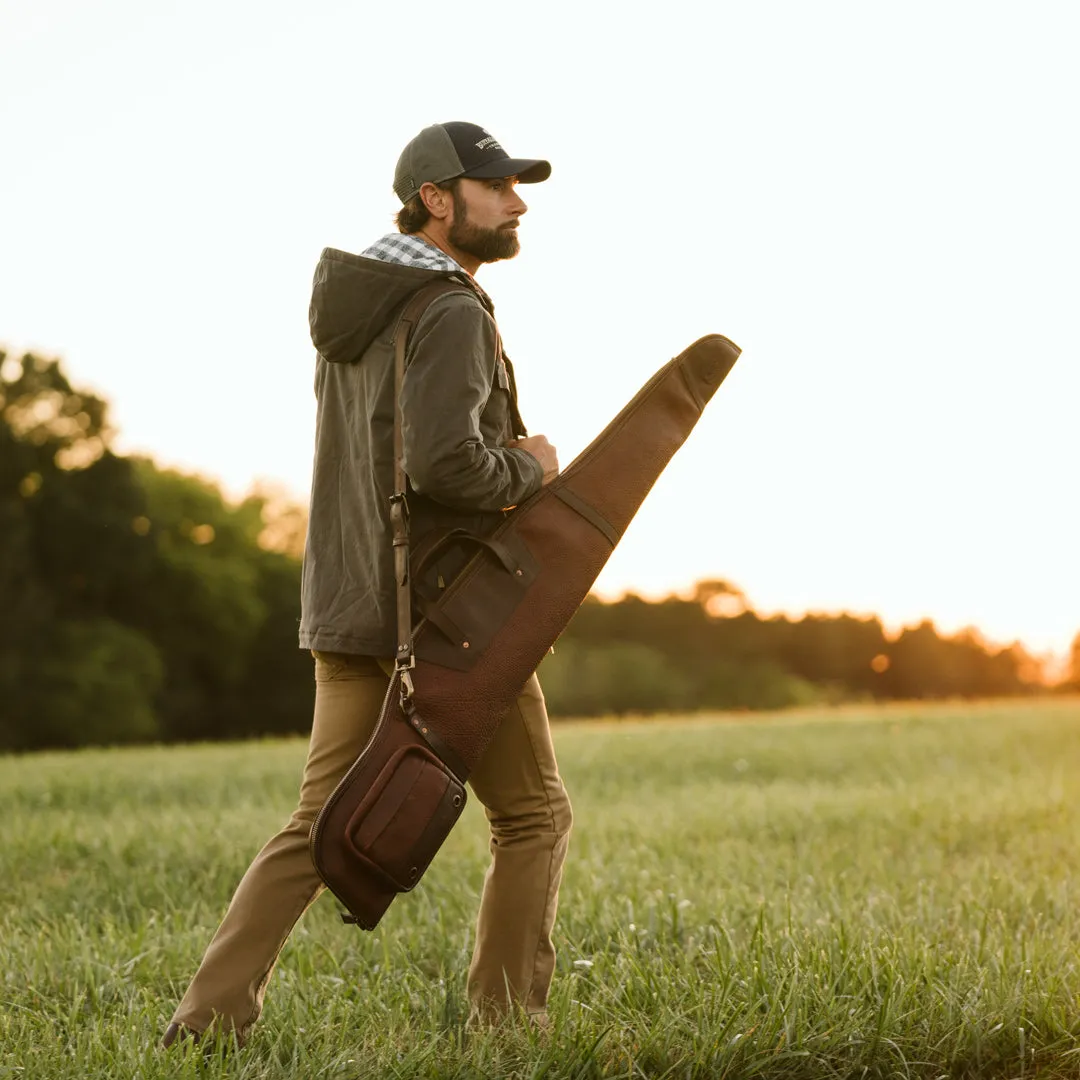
408 250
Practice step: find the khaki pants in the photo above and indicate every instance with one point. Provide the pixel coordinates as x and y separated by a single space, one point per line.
518 783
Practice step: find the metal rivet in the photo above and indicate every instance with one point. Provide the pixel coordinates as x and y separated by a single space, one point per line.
457 800
464 644
519 572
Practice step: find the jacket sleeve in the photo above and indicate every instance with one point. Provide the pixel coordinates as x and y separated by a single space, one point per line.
448 380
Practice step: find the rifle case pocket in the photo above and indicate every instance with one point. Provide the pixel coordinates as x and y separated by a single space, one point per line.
406 815
477 603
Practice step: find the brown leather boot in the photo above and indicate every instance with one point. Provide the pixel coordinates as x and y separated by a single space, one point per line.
178 1031
212 1042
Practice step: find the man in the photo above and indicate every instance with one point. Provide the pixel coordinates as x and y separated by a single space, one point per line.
467 458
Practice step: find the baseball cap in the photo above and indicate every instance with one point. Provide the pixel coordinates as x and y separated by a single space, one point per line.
443 151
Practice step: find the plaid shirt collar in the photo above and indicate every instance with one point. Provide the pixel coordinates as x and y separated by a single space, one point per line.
409 250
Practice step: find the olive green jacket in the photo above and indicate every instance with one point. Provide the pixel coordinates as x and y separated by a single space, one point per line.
459 408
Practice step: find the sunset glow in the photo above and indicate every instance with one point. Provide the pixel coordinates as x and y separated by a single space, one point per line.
879 205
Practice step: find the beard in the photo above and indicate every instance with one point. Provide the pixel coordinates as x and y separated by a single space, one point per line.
487 245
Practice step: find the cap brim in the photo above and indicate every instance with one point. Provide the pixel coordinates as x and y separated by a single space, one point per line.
527 170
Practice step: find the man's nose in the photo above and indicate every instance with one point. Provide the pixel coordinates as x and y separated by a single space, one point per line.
519 206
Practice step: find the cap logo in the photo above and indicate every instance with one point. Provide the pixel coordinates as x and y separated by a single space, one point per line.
490 141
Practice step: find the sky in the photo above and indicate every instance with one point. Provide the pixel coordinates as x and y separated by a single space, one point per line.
877 202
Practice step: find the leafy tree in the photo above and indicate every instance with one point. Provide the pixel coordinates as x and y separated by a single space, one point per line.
67 553
276 693
836 651
619 678
94 682
136 602
1072 679
223 611
719 654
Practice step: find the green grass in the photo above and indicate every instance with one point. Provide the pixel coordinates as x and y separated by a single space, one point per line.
878 893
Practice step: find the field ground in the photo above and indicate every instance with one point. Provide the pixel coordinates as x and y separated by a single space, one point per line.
875 893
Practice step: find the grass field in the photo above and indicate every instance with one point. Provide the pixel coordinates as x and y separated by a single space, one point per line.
876 893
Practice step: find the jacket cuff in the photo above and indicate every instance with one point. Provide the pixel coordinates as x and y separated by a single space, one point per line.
533 464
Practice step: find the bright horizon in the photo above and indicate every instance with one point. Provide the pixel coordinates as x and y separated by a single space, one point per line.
878 206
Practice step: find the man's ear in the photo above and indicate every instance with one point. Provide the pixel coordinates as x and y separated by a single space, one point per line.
439 203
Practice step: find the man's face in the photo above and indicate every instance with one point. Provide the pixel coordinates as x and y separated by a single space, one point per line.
486 215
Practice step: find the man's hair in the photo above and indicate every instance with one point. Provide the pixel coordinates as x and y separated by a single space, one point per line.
414 215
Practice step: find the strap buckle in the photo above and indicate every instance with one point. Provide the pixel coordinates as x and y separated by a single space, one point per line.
404 672
399 513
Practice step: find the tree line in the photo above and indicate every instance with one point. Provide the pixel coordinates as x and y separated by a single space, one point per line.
139 604
135 603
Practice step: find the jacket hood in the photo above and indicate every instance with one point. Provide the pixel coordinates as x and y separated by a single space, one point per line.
353 298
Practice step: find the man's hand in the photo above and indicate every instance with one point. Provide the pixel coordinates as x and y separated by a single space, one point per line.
543 451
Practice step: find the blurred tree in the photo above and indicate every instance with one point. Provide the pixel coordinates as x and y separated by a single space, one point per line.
93 682
68 557
922 664
835 650
619 678
717 660
284 521
135 602
276 694
1072 679
224 613
720 598
42 412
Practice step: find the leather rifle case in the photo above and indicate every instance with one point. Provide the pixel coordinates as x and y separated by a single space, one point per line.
487 632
